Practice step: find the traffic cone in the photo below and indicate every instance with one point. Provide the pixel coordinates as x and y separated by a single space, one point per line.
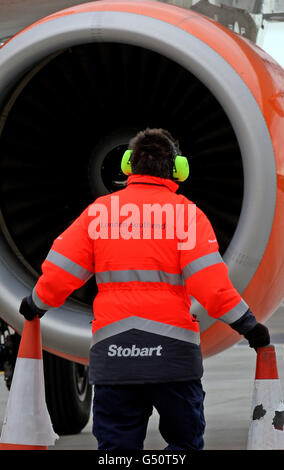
266 430
27 424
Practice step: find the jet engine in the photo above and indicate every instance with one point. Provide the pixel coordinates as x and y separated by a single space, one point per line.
77 85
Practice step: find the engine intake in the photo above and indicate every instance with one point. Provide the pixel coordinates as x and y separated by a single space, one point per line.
73 89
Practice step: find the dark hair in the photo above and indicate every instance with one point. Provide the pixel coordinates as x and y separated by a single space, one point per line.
153 153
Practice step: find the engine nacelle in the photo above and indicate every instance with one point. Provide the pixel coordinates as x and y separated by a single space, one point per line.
76 85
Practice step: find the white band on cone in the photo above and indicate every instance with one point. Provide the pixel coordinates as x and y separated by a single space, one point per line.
266 430
27 420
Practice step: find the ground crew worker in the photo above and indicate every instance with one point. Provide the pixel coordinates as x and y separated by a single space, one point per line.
146 347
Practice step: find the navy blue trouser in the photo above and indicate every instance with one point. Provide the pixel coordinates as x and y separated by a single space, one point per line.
121 414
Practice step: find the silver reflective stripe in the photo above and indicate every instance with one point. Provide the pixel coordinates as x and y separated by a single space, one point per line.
201 263
150 326
139 275
69 265
235 313
38 302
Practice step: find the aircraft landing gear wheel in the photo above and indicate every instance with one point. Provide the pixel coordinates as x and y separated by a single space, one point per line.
68 394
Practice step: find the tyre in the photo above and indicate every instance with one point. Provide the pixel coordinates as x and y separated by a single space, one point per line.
68 394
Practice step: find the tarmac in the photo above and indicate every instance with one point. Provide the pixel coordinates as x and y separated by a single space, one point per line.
228 382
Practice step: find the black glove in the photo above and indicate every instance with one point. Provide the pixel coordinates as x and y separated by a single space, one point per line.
258 336
29 309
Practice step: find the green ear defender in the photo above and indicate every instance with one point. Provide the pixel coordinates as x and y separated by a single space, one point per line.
125 163
180 170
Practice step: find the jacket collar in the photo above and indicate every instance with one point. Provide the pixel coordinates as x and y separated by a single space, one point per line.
154 180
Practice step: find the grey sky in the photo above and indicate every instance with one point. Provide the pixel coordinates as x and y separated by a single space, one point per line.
272 40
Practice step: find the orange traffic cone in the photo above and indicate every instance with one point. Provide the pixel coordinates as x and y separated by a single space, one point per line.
27 424
266 430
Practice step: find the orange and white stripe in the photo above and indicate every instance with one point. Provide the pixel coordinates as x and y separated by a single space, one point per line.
27 423
266 430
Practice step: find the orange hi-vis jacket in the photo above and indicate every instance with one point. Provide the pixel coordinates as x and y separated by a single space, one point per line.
150 250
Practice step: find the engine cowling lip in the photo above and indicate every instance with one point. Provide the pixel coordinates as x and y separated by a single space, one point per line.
43 39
